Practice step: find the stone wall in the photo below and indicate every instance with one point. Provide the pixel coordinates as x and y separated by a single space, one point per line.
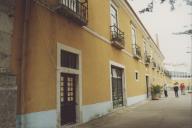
7 8
8 88
8 98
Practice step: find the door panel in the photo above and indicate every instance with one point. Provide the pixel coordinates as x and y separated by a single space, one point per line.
147 87
67 98
117 90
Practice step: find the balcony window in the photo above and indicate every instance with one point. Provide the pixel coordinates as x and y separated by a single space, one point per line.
136 51
117 37
113 15
153 64
133 35
75 10
147 58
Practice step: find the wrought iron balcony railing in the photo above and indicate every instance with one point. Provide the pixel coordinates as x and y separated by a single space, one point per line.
154 65
136 51
75 10
147 58
117 37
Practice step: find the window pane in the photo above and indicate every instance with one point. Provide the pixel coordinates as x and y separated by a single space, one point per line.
114 73
133 36
113 16
136 75
69 59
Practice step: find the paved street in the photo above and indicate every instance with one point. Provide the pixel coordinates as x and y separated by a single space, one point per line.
168 112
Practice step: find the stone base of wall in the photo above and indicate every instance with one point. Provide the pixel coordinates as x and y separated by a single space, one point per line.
8 100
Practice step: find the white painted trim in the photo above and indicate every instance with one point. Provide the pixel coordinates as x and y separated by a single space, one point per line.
116 64
123 81
93 111
43 119
136 99
58 99
96 34
68 70
126 52
79 81
110 83
66 48
144 46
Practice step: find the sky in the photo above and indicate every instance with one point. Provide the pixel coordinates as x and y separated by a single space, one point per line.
165 23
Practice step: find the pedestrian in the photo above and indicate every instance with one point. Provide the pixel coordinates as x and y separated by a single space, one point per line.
165 90
182 87
176 89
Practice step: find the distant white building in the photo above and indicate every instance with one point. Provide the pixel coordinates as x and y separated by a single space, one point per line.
178 71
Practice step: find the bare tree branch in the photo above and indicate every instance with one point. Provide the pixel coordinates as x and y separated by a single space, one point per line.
149 7
187 32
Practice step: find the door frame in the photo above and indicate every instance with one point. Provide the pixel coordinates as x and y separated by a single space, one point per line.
78 85
147 86
113 63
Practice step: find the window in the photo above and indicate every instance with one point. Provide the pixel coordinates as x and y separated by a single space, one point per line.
151 52
116 73
145 47
69 60
113 13
136 76
133 35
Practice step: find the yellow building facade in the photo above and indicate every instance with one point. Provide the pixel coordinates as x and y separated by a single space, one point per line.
76 60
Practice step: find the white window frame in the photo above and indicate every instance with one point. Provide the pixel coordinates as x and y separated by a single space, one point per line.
112 5
145 46
135 35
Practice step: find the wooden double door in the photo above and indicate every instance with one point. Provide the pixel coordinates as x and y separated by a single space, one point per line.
68 98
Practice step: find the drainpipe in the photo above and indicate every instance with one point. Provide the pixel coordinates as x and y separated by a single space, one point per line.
23 59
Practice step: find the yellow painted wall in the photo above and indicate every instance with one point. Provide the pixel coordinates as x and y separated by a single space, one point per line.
47 28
